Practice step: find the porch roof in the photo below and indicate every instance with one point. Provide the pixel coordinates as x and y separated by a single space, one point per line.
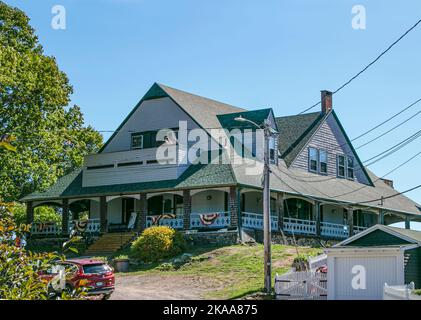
196 176
341 191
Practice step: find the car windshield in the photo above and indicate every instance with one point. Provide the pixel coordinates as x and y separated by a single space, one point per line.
96 268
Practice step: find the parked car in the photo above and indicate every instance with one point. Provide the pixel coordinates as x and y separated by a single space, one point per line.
95 275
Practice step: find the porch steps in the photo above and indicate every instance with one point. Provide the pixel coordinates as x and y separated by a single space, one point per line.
110 243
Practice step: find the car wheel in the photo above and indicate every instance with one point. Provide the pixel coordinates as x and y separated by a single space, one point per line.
106 296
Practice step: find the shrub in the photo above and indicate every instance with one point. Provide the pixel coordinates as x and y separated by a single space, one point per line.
300 263
157 243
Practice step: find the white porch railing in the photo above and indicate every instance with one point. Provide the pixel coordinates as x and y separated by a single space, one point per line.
299 226
45 228
358 229
94 226
255 221
333 230
210 220
176 223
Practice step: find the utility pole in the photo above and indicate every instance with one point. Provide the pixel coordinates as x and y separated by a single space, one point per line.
268 132
266 212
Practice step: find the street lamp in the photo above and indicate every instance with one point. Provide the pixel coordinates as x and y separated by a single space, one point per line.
268 131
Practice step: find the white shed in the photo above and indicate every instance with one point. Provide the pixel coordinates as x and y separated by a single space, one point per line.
359 267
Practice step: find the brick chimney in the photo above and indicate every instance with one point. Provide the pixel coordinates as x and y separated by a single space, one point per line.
326 101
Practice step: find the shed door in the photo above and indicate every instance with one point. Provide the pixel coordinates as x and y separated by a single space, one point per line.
379 270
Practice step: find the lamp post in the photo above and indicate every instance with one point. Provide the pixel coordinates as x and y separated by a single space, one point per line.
268 131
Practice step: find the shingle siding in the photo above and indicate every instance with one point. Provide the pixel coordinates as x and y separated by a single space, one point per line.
412 260
329 137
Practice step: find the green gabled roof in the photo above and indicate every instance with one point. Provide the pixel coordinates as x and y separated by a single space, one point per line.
382 235
258 116
295 132
196 176
202 110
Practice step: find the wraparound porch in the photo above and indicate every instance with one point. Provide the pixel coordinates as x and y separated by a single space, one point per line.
209 209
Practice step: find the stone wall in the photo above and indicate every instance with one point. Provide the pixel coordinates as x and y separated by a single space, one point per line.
248 235
215 238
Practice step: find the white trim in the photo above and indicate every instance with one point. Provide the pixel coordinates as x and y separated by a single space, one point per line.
134 196
374 228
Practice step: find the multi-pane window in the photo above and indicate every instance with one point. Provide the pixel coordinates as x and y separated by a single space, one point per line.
145 140
313 156
350 167
137 141
323 161
341 166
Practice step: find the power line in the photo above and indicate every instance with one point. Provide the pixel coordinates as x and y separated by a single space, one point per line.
388 131
385 175
368 66
393 149
391 196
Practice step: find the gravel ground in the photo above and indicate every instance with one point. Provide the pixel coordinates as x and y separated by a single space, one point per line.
160 287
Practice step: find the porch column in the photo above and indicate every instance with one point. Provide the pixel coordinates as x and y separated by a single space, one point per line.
280 210
103 214
407 223
318 218
143 211
350 217
65 218
233 207
380 218
29 212
186 209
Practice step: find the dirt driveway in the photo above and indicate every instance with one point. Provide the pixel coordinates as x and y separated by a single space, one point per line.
161 287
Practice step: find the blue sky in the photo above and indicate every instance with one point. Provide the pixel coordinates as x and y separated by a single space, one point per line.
252 54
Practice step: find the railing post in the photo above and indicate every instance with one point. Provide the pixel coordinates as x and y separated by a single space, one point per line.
318 218
280 210
29 212
186 209
65 218
380 218
233 207
143 211
407 223
350 222
103 214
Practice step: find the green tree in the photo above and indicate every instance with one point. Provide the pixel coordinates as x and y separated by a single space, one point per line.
50 137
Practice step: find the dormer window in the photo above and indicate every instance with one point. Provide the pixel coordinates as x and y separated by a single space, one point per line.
313 155
341 166
137 141
350 165
323 161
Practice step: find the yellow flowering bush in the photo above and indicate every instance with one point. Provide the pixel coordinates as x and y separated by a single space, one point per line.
158 243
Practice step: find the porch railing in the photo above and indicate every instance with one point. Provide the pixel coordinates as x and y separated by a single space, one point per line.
45 228
210 220
255 221
358 229
334 230
299 226
161 220
94 226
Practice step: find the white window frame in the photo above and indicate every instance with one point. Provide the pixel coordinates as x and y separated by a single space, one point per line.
344 165
353 168
309 160
131 142
320 162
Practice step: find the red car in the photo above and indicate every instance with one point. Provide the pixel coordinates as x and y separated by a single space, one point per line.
95 275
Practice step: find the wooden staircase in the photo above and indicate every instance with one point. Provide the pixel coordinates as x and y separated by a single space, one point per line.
110 243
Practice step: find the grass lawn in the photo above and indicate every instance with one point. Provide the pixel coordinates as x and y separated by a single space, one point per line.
232 271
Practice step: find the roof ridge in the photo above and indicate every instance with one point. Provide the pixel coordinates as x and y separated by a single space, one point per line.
163 87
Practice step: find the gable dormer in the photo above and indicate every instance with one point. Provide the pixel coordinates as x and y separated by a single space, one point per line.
323 147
